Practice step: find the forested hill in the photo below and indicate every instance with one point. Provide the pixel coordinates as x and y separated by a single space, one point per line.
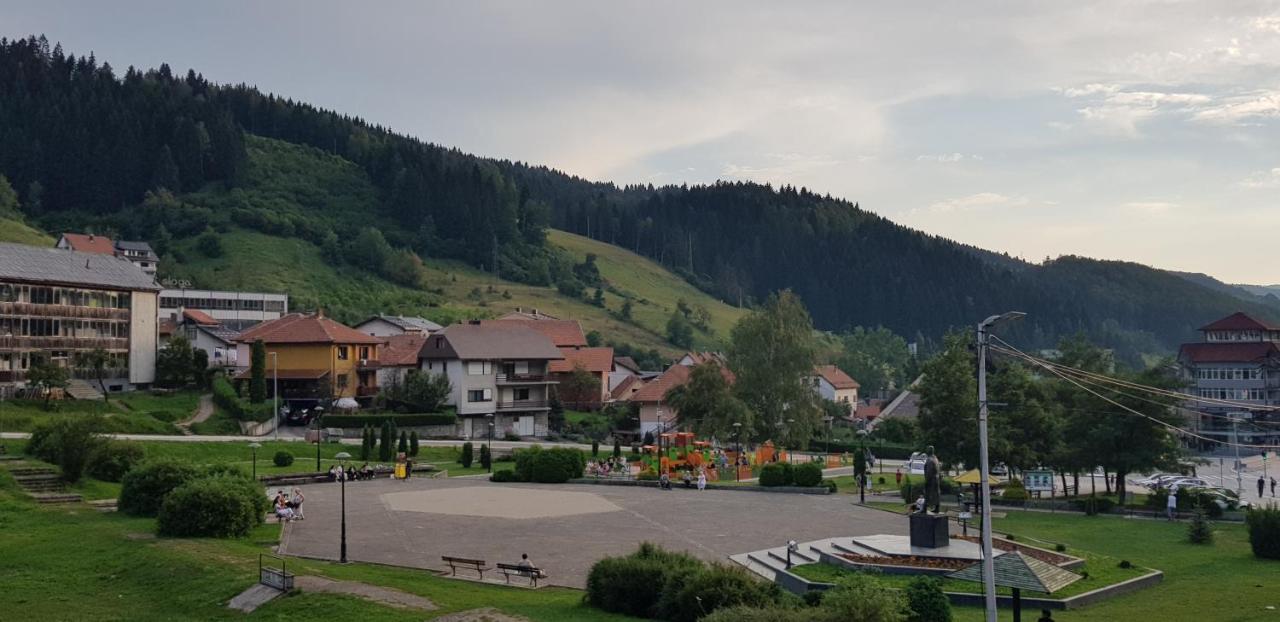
85 145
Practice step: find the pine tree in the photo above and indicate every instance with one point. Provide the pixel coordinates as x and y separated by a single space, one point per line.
486 458
1199 531
466 458
403 446
388 442
617 448
413 443
365 451
165 172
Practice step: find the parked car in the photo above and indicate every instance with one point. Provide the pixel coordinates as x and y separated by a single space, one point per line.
1153 480
302 416
1185 482
915 464
1000 469
1222 497
1162 480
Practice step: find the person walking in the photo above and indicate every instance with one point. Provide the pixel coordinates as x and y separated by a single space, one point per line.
1273 486
1262 484
897 477
1171 506
702 480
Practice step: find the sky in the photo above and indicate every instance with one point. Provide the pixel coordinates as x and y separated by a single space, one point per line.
1144 131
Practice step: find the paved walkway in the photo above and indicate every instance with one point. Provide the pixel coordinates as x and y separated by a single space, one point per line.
413 523
203 411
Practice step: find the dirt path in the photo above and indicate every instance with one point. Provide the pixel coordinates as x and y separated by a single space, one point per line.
203 412
381 595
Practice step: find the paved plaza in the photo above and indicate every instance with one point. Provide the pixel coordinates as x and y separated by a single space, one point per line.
564 528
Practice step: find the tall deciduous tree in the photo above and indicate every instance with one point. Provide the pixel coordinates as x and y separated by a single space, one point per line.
47 376
707 404
257 372
948 403
877 358
173 363
772 352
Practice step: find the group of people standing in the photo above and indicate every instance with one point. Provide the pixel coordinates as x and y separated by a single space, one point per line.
289 507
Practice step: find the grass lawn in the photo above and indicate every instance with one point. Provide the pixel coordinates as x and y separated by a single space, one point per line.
74 563
142 412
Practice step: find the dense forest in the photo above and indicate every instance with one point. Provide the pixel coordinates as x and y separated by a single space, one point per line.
86 147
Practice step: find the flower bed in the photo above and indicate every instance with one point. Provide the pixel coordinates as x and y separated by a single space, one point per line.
1030 551
913 562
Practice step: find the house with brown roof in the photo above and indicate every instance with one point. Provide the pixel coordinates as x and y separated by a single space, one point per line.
313 357
204 333
397 356
1234 368
499 373
595 361
562 333
832 384
138 253
656 413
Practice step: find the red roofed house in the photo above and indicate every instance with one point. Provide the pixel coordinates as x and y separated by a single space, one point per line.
655 413
562 333
318 357
1237 366
834 385
204 333
596 361
397 356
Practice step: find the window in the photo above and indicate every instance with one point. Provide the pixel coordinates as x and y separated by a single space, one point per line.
522 367
343 353
479 368
520 395
364 352
480 395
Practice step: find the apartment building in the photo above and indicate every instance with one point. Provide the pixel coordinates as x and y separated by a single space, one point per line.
1237 361
235 310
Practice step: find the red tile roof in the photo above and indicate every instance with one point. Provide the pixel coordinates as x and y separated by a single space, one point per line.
675 376
402 350
563 333
868 410
594 360
1244 352
626 388
699 358
836 377
90 243
199 317
305 328
1239 321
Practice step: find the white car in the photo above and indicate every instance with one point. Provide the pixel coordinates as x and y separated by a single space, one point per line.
915 464
1185 482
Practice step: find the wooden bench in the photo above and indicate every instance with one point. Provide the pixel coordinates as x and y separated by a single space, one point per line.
533 574
474 564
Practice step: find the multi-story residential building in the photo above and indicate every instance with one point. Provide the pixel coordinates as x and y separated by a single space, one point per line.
235 310
1238 361
498 372
138 253
598 362
318 358
391 325
833 385
59 303
657 415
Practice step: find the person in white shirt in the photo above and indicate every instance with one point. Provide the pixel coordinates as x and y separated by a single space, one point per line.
1171 507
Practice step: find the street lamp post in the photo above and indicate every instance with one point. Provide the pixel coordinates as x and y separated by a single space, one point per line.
737 459
254 448
489 417
791 441
319 411
275 392
988 563
828 419
342 458
861 459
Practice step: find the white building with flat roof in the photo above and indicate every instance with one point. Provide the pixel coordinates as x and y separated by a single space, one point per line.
236 310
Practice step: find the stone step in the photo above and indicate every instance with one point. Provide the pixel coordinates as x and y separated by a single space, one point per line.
31 470
56 498
103 505
797 557
35 477
82 390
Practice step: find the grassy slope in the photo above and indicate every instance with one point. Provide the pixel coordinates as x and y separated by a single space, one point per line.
654 289
16 231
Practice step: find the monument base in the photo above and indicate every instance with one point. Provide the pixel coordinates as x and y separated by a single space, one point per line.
929 531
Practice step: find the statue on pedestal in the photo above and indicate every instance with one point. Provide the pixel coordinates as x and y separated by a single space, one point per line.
932 482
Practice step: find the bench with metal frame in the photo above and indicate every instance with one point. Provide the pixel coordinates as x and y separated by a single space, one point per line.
530 572
473 564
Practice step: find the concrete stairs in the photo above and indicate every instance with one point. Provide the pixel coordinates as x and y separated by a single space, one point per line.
83 390
43 484
769 562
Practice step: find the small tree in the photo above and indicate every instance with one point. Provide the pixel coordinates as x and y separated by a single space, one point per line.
200 368
258 372
1264 531
595 448
366 438
486 457
47 376
927 601
403 446
173 363
617 448
413 443
466 457
388 442
1198 531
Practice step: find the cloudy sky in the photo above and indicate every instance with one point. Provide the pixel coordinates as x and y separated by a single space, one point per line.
1145 131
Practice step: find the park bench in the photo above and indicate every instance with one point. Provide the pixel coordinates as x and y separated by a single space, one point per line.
533 574
474 564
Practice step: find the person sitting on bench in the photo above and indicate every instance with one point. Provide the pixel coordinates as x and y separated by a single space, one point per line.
664 481
525 563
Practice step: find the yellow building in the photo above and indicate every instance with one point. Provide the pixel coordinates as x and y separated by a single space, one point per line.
318 358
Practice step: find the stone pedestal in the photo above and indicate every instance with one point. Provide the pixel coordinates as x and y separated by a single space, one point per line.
929 531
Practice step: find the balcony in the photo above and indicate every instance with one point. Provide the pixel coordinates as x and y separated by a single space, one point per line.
522 378
524 405
366 391
67 311
64 343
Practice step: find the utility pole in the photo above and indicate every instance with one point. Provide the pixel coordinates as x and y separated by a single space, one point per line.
1235 439
988 562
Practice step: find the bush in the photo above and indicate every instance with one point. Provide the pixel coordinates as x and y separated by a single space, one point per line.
860 597
143 488
1264 531
414 446
283 459
1060 547
68 442
486 458
1014 491
705 590
831 486
467 456
112 459
1126 564
213 507
633 585
807 474
595 448
909 491
1198 531
926 600
777 474
549 466
1093 506
753 614
506 475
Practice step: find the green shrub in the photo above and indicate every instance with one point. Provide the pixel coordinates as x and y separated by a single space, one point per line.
504 476
1264 531
831 486
213 507
402 421
926 600
1093 506
467 456
776 474
414 446
225 396
1060 547
633 585
112 459
68 442
283 459
1198 530
552 466
702 591
143 488
486 458
860 597
909 491
807 474
1015 491
595 447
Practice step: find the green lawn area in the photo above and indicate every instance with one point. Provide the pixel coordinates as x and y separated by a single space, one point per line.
13 230
143 413
73 563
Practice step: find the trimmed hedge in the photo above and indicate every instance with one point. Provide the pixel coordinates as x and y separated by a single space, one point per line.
219 506
282 459
144 487
226 397
1264 531
506 475
776 474
715 587
807 474
400 421
549 466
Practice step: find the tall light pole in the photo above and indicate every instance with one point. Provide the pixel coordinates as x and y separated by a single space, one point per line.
1235 440
489 417
254 448
791 442
275 393
988 563
342 458
737 459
